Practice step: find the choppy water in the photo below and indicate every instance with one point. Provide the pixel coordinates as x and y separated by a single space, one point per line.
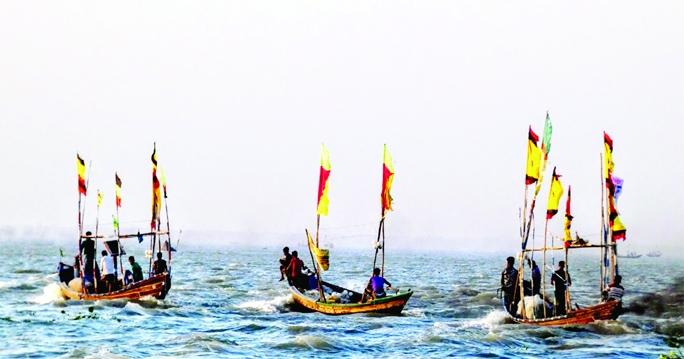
227 302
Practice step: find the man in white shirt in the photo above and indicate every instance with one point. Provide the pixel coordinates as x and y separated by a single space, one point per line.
108 271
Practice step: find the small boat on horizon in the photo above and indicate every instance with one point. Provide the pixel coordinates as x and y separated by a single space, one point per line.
631 255
332 299
83 281
654 254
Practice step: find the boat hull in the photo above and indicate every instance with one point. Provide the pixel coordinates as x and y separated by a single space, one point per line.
157 287
390 304
603 311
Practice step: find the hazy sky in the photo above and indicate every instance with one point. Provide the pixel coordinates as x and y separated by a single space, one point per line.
240 95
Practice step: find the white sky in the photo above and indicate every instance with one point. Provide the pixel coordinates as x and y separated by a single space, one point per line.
240 95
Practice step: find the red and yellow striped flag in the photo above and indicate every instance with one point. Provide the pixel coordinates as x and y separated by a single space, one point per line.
534 158
555 193
608 160
81 168
118 189
99 198
323 182
387 177
156 195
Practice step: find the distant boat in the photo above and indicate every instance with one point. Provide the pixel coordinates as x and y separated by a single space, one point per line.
654 254
341 300
633 255
87 285
520 304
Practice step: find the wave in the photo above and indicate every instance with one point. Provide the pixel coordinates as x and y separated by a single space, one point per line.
16 285
306 342
28 271
491 320
275 305
668 304
52 293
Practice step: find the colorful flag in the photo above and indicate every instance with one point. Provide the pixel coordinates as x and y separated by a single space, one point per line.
323 182
322 255
608 161
617 184
80 166
545 148
568 220
619 230
116 223
99 198
156 195
118 189
387 177
555 193
163 180
533 158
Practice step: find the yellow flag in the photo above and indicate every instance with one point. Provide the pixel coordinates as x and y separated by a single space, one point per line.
534 158
99 198
322 255
555 194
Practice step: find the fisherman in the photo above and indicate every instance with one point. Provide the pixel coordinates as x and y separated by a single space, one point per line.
536 277
135 274
615 290
159 266
284 263
378 284
88 249
509 280
558 279
295 270
108 271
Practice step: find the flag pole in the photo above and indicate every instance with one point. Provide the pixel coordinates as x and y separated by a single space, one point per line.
316 269
318 224
546 225
97 225
602 272
166 208
83 289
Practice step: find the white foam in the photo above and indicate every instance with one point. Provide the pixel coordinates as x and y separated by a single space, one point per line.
9 284
267 306
51 293
492 319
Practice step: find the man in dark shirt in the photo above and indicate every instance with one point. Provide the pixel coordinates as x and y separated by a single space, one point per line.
561 280
285 262
88 249
159 266
509 282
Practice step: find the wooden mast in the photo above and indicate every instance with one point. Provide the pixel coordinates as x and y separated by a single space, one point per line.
602 272
81 219
316 268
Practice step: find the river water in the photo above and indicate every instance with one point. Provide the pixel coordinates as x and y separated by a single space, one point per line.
227 302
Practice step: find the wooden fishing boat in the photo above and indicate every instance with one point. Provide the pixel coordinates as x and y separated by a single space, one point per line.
631 255
352 302
527 305
83 280
654 254
156 287
391 304
602 311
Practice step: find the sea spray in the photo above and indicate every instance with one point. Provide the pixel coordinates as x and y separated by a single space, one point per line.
52 293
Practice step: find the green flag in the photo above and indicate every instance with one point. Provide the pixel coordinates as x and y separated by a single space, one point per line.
546 140
116 223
